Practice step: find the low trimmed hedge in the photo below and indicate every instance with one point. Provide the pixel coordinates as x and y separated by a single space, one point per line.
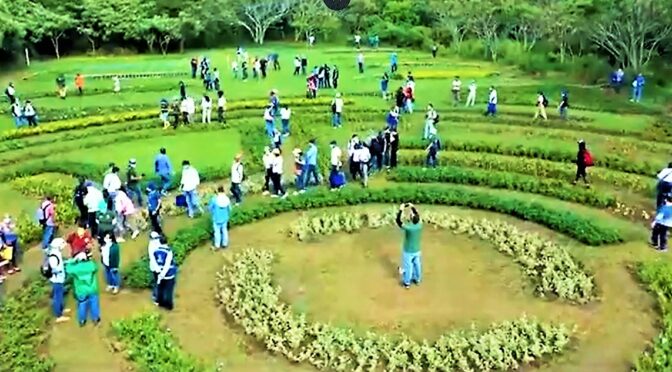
530 166
583 229
152 347
503 180
607 161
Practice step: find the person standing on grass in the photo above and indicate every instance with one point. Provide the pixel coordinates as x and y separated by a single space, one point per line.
353 163
154 207
46 216
220 212
335 75
661 224
54 270
17 114
79 83
234 69
206 109
106 218
299 164
85 282
152 246
269 121
563 107
297 66
243 69
384 83
360 62
112 182
164 112
78 196
166 275
337 110
376 149
188 185
92 202
335 157
216 79
363 157
275 57
431 118
116 85
542 102
194 67
492 102
408 97
163 169
126 215
433 151
394 148
183 91
263 66
285 115
310 168
435 49
237 177
617 80
664 185
10 92
276 175
583 160
30 114
133 181
456 88
471 96
221 107
358 40
267 159
110 258
638 88
393 62
411 258
61 87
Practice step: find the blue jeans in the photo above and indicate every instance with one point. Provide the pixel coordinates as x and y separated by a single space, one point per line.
164 182
18 121
299 181
563 112
47 235
221 233
492 109
336 119
285 126
637 94
270 128
431 160
429 129
134 192
165 293
112 277
237 193
411 263
57 294
88 307
308 170
192 202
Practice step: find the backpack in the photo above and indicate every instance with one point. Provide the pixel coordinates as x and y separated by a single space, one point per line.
545 102
41 214
588 159
46 270
105 221
436 118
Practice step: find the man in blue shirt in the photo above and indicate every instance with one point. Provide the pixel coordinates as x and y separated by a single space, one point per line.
638 88
310 167
165 280
661 224
163 169
220 210
393 62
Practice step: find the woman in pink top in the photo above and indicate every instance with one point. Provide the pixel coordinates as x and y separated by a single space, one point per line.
126 215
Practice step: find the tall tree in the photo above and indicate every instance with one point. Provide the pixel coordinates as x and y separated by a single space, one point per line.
485 20
360 15
631 31
312 16
90 21
563 21
448 21
50 23
257 16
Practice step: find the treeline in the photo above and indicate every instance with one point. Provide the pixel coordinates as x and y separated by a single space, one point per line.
629 33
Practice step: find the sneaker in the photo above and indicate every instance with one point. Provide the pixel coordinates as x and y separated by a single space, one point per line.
108 288
265 193
10 271
17 269
115 290
654 245
662 249
284 196
406 286
120 240
66 311
274 196
135 234
62 319
302 191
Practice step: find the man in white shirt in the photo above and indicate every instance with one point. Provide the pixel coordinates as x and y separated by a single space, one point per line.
221 107
10 92
337 111
112 182
541 106
492 102
236 179
92 201
276 175
297 65
360 62
664 185
285 115
471 97
206 109
456 88
335 157
184 109
188 184
362 157
191 108
358 40
311 40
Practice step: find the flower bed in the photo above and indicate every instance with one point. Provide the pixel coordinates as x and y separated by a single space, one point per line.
551 268
558 189
251 299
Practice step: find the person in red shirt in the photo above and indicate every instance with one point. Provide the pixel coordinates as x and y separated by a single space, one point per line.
80 241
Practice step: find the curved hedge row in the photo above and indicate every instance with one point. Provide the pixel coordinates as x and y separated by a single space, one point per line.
530 166
503 180
583 229
607 161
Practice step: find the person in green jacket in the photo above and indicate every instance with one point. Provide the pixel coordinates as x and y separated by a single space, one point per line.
106 218
411 263
83 272
109 255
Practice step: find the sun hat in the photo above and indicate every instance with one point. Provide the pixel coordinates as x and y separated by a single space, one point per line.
132 161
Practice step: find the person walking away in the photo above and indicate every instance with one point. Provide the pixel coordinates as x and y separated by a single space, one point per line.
435 49
126 215
311 164
154 207
564 105
92 202
216 79
176 113
334 77
433 151
243 68
337 109
335 159
17 114
194 67
276 175
85 282
267 159
255 71
110 258
304 65
263 65
183 91
275 57
584 159
78 195
221 107
46 216
79 83
542 102
112 182
363 156
456 88
10 92
191 109
320 77
358 40
237 177
664 185
116 85
411 258
106 219
471 96
163 169
164 112
360 62
299 164
154 269
60 86
393 62
617 80
327 76
353 163
661 224
167 275
285 115
206 109
220 212
30 114
431 118
638 88
188 184
492 102
297 66
53 269
269 120
311 40
394 148
384 82
234 69
133 181
376 149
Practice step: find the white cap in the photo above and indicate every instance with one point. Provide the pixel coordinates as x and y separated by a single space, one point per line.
57 243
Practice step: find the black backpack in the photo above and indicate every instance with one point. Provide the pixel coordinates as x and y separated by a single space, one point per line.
436 118
46 269
545 101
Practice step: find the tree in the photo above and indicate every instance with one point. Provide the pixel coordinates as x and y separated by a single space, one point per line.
485 21
310 16
90 24
161 28
448 22
523 21
562 20
360 15
257 16
633 30
51 23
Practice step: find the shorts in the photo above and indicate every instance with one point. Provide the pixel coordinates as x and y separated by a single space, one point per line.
163 116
